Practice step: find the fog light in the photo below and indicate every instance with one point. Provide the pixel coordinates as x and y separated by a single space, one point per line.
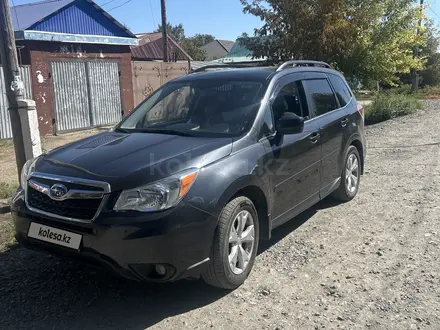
160 270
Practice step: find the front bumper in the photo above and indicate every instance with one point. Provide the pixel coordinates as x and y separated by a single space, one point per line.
131 244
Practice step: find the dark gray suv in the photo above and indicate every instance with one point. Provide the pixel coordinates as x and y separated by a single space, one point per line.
190 181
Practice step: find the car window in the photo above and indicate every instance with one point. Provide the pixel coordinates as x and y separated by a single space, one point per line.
342 91
321 95
290 98
199 107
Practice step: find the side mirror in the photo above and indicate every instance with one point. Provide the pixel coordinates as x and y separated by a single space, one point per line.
290 123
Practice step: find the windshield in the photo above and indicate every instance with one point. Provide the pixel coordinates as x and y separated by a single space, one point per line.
198 107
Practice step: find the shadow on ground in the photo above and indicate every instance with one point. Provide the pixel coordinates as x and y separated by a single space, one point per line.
41 291
279 233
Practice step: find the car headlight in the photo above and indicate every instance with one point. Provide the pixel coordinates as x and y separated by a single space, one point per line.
158 195
26 171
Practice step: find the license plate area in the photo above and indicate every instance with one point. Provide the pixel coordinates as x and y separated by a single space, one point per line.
54 235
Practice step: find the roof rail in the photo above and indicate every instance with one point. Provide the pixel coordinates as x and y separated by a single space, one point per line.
303 63
219 66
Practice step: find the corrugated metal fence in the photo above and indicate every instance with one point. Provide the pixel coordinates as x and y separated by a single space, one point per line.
87 94
5 121
71 96
105 94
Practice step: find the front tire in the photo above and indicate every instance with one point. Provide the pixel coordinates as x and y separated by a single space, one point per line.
235 245
350 177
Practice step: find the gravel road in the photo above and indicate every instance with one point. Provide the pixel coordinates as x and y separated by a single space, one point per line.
370 264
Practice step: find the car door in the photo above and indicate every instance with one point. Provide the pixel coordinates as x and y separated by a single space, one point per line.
332 120
292 161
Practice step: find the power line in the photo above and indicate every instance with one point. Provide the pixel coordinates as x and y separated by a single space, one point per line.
16 16
122 4
438 16
106 3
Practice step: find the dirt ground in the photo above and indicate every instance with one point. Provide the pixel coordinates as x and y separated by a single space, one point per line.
8 169
372 263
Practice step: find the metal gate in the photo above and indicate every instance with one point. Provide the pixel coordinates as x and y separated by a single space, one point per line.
105 92
72 110
5 120
87 94
149 76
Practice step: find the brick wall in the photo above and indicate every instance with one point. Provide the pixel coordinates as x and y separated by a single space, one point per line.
42 53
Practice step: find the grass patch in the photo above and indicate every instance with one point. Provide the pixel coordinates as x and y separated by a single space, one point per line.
6 190
430 92
364 96
387 106
427 92
6 232
6 143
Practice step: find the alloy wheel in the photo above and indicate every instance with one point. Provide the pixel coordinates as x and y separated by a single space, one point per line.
352 173
241 242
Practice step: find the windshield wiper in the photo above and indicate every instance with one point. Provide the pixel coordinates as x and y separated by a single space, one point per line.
122 130
162 131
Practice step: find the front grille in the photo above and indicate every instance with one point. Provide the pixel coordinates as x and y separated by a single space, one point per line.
82 209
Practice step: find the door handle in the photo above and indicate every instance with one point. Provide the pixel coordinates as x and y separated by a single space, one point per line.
314 137
344 122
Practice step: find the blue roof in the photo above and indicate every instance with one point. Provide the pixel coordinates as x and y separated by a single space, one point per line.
26 15
67 16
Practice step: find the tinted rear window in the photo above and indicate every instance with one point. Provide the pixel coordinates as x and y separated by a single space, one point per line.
342 91
321 95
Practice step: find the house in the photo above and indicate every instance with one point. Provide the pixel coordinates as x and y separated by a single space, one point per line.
149 70
240 54
150 47
217 49
78 59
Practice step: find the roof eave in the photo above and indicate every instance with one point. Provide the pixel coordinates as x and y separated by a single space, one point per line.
223 46
74 38
179 47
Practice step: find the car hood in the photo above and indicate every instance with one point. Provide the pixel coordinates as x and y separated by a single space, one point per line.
129 160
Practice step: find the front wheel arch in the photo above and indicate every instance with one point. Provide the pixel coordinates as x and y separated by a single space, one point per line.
252 188
256 195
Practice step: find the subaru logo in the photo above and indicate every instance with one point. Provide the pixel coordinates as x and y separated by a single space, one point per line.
57 191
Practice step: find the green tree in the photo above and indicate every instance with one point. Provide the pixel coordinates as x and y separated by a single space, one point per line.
189 45
368 40
431 74
192 45
177 32
202 39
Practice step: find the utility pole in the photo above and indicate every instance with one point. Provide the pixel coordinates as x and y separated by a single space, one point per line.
164 30
414 74
13 83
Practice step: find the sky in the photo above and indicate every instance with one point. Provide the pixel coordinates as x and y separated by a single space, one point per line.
224 19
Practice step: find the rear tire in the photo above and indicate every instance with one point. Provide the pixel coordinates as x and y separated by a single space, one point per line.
235 245
350 176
